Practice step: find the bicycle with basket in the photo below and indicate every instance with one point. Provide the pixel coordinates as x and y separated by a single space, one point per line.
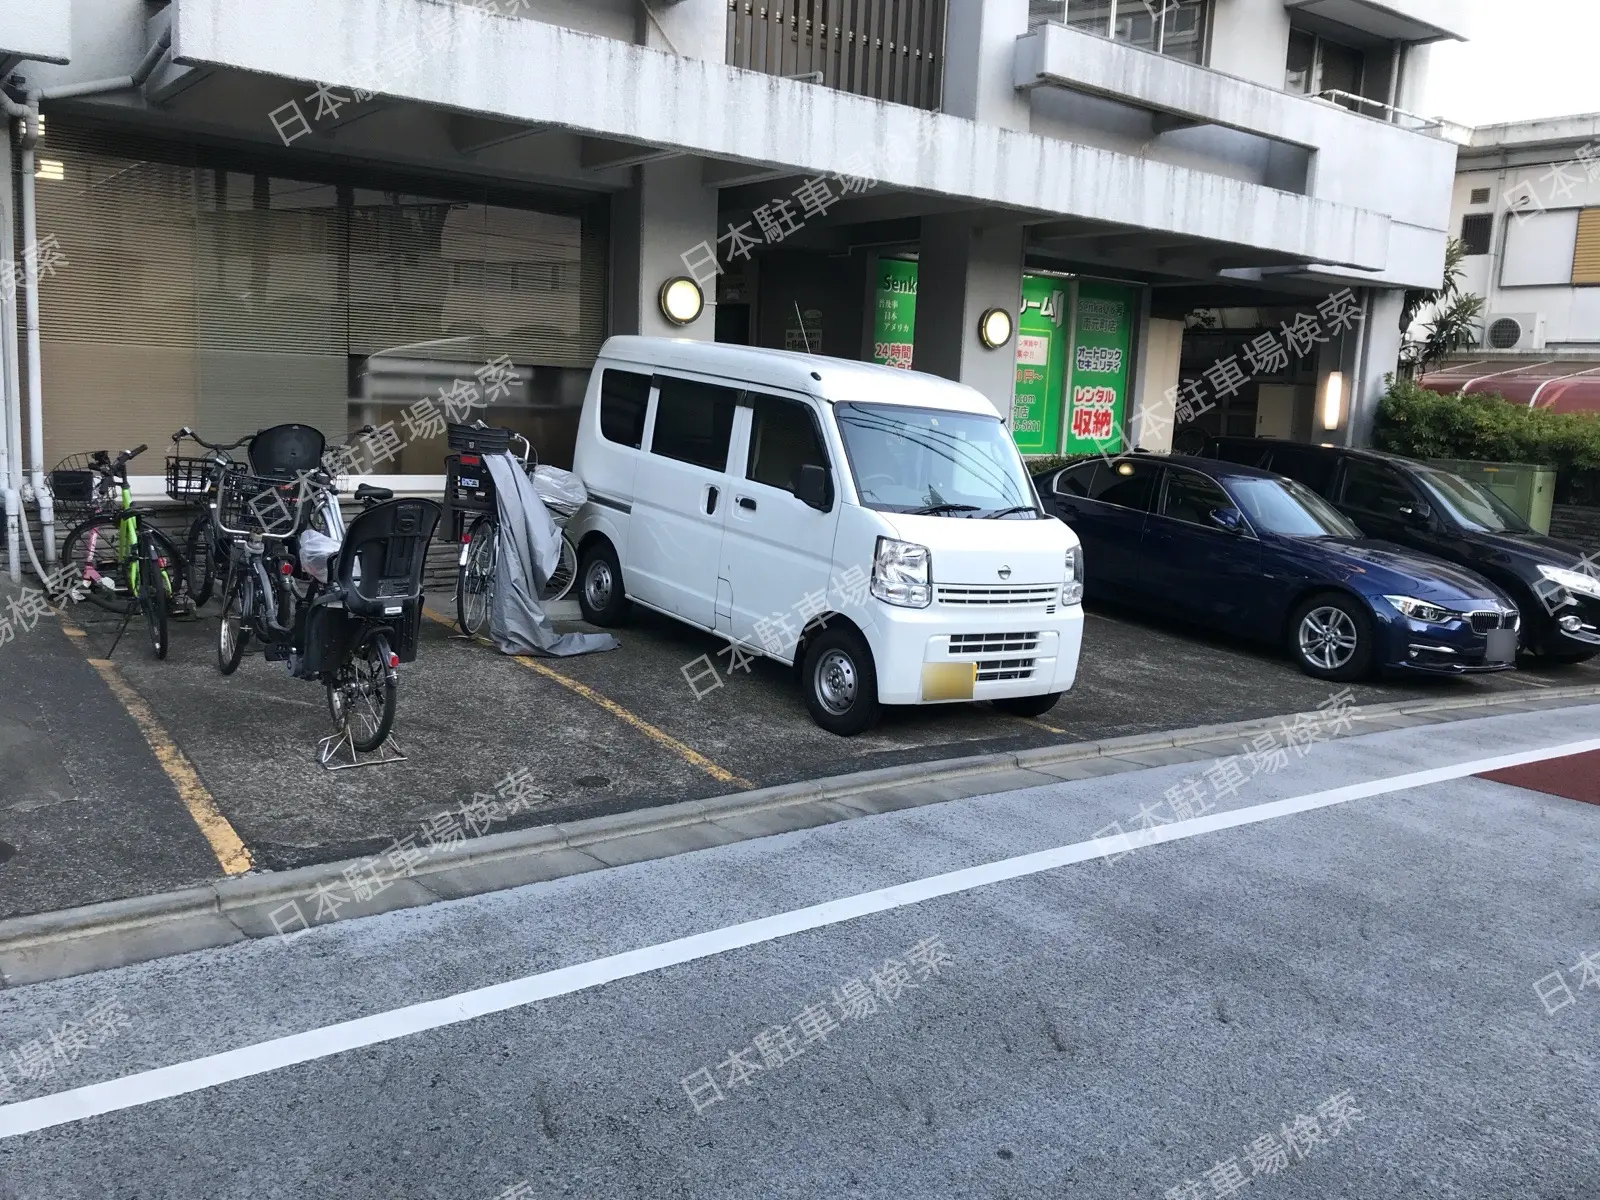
473 519
192 480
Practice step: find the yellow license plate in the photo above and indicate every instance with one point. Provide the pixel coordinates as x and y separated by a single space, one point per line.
949 681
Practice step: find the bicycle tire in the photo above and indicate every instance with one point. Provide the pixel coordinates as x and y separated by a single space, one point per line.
155 594
200 559
475 578
564 576
347 685
232 633
93 548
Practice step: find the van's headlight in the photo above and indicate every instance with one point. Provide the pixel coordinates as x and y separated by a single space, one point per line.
1072 589
900 574
1421 610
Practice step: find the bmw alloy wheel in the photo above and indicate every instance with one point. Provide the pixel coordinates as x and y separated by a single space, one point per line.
1328 638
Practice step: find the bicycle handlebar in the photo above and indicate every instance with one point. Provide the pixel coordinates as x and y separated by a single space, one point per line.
219 447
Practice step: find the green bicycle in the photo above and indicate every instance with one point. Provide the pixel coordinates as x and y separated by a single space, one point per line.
124 564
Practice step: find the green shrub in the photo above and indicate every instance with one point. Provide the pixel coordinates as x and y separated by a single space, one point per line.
1421 424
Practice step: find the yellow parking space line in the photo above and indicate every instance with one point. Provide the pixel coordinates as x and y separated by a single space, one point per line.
665 740
232 854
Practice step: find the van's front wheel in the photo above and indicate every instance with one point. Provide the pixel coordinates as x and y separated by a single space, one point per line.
841 683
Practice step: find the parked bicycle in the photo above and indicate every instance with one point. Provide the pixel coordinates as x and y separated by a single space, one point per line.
193 479
126 565
346 616
475 523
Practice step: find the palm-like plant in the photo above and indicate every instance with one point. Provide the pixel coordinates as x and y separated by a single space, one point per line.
1454 318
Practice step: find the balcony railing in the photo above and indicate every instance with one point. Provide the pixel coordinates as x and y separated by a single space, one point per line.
887 49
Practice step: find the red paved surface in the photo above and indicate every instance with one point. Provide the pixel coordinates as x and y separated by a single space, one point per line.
1577 777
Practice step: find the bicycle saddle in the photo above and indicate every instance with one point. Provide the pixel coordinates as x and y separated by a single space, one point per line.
366 491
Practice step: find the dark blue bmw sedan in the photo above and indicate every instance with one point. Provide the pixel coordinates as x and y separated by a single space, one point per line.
1257 555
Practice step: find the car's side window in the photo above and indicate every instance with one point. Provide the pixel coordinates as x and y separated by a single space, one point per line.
1310 467
1076 481
1373 488
694 422
1191 498
783 438
1127 484
624 397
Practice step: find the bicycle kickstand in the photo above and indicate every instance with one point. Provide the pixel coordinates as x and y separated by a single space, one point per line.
121 629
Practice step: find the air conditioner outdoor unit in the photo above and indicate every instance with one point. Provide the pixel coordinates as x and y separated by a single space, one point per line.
1514 331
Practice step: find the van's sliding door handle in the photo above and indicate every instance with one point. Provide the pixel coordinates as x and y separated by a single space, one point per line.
746 503
711 500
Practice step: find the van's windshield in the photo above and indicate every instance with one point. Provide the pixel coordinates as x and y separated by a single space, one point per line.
933 461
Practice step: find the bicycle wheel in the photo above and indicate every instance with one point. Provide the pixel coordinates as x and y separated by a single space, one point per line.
94 550
200 559
362 696
232 633
155 594
565 574
476 577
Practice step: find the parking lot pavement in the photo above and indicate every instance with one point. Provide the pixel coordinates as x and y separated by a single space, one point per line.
610 732
1373 992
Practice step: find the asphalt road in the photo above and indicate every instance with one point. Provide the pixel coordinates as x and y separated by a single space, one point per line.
1307 993
91 818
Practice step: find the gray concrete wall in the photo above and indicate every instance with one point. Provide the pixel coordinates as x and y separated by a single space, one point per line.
964 272
1250 39
980 46
666 214
40 29
1160 356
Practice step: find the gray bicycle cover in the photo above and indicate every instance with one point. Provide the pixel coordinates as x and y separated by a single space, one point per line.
529 550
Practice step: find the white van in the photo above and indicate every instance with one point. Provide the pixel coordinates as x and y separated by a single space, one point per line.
873 526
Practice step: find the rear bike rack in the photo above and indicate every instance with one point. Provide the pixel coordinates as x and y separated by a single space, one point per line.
329 748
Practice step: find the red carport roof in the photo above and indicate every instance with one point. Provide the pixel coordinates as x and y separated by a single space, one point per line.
1563 384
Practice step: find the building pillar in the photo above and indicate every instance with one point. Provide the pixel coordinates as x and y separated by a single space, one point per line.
1374 354
1155 406
962 273
692 28
979 68
667 214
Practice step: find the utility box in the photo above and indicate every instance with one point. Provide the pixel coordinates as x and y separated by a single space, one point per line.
1524 488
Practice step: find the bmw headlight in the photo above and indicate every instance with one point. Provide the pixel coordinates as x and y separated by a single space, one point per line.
1072 589
900 574
1421 610
1580 582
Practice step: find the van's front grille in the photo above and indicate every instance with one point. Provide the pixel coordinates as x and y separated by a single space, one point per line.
963 645
990 669
984 593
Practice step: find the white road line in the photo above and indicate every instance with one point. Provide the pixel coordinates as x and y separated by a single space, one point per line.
180 1079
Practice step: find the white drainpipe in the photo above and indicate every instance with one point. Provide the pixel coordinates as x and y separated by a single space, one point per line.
30 286
11 431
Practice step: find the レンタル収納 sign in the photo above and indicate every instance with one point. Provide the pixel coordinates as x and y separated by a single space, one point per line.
1041 346
1098 380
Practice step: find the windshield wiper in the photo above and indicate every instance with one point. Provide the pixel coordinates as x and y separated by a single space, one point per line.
934 509
1016 508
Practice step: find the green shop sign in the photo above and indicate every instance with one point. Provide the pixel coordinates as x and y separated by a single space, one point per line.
1041 364
1102 329
894 317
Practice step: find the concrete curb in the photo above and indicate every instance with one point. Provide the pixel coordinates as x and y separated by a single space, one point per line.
54 945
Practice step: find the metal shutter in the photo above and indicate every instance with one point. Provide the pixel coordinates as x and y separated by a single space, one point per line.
1586 257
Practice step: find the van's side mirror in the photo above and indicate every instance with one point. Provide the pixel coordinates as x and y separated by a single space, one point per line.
811 487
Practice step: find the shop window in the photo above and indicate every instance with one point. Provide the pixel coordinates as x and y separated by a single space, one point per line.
1175 28
1477 232
694 422
783 438
1190 497
624 397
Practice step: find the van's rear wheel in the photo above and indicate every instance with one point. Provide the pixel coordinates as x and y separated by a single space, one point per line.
600 593
841 683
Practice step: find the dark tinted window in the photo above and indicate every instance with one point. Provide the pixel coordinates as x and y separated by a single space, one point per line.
694 422
1246 452
1373 488
1126 484
1307 466
624 396
783 438
1477 232
1191 497
1077 481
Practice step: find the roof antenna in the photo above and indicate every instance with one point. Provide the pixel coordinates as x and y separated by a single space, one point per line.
803 334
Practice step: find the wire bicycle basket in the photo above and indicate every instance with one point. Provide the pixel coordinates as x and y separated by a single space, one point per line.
253 506
190 478
77 490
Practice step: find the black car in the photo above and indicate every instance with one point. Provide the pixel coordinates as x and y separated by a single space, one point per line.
1428 509
1257 555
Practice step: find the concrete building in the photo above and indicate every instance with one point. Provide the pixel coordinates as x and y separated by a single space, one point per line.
339 211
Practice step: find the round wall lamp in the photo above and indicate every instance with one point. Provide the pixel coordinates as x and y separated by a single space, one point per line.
681 300
994 328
